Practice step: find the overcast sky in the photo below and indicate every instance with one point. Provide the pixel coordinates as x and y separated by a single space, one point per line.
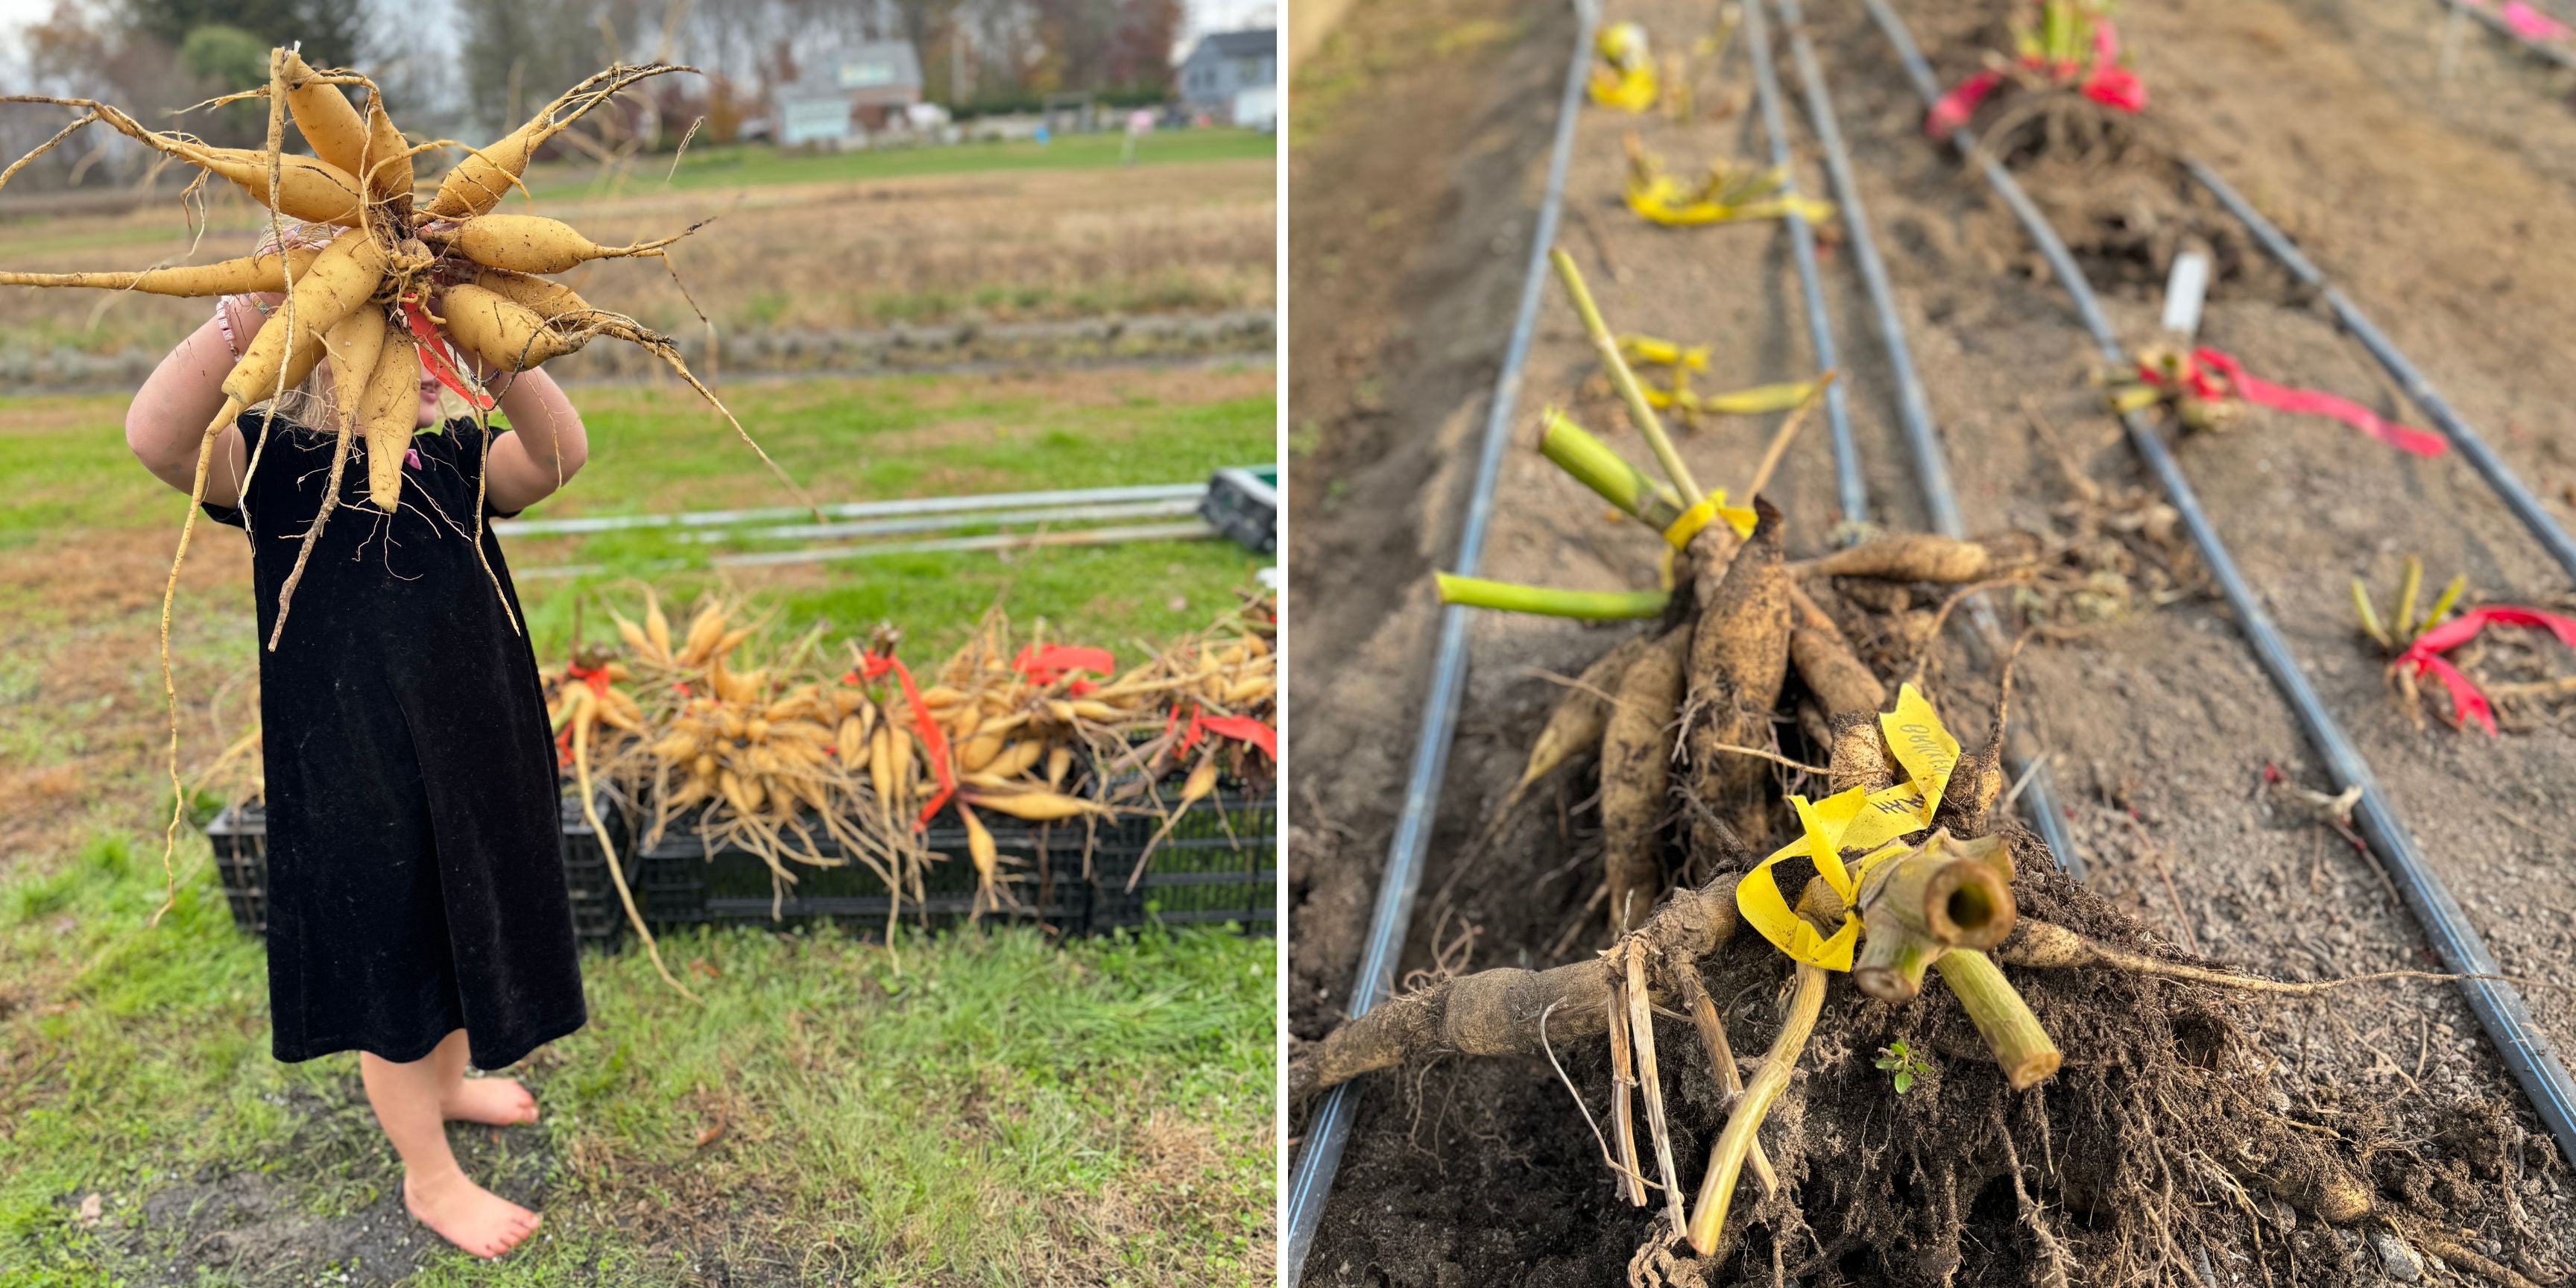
1204 16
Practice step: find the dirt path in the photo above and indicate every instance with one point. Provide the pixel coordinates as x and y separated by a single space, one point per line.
2435 208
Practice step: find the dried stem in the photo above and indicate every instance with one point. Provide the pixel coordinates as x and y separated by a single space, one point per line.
1780 438
1623 1126
1721 1056
1641 1030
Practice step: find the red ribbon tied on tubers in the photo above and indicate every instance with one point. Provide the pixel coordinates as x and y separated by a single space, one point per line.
2104 80
2467 702
435 355
1049 663
933 739
2233 381
1244 729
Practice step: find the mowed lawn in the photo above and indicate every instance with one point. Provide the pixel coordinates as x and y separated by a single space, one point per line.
986 1108
659 449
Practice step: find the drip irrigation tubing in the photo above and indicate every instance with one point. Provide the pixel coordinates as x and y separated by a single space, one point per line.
1310 1181
2495 22
1914 407
1851 493
2526 1052
2499 477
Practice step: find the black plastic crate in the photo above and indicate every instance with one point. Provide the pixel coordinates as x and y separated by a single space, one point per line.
240 838
1244 505
682 880
1218 864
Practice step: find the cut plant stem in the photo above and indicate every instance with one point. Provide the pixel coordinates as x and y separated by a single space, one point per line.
1639 410
1596 466
1948 892
1548 601
2023 1050
2369 615
1892 958
2450 595
1726 1161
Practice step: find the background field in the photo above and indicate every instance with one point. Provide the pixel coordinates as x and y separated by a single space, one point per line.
997 232
988 1108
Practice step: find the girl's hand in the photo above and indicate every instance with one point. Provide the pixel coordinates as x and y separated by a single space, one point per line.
165 426
546 444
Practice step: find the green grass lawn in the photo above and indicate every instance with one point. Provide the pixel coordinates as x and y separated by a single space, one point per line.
755 165
982 1108
844 439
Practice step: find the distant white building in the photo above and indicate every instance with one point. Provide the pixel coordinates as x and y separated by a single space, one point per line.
1226 64
838 98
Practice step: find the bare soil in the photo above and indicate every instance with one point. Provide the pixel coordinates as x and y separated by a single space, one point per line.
2437 205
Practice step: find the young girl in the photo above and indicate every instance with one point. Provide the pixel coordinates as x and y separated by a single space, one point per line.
416 904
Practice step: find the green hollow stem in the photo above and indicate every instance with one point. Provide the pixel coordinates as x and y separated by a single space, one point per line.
1634 394
1548 601
1596 466
2022 1048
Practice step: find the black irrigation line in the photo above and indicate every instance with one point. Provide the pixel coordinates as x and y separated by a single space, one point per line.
2495 22
1850 491
2482 458
2526 1052
1913 406
1310 1182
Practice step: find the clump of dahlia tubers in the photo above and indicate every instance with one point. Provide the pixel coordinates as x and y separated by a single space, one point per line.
2081 1073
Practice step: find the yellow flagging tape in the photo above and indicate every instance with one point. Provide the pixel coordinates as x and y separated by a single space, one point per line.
1712 506
1628 83
1759 398
1662 201
1740 402
1648 349
1874 822
1633 91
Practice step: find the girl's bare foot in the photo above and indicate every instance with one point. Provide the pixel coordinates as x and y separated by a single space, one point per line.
467 1215
498 1102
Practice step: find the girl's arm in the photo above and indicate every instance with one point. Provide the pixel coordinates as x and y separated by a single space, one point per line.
543 450
165 426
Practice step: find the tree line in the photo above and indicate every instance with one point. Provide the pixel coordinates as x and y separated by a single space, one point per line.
482 66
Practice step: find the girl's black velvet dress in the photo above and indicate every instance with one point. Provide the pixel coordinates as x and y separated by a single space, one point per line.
415 868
